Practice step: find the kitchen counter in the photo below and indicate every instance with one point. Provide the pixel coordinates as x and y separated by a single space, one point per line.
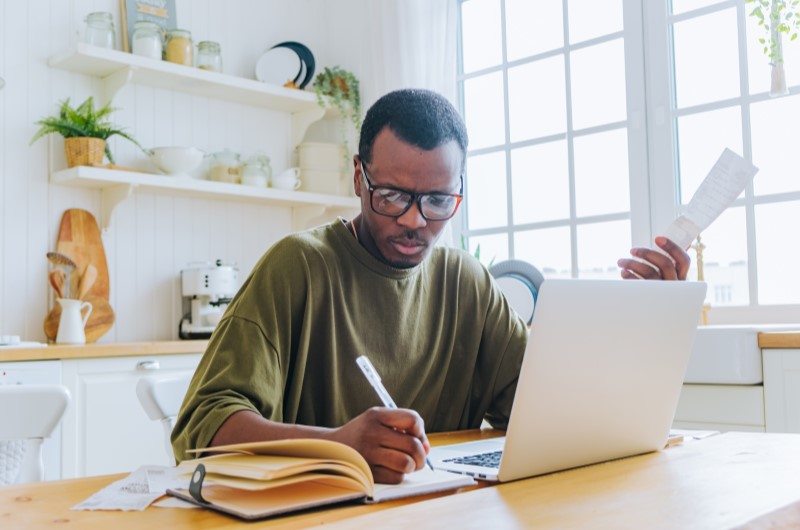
785 339
88 351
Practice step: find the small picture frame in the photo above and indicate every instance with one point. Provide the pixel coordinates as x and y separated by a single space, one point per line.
162 12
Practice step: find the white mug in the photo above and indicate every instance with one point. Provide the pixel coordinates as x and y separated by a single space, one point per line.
292 172
286 182
72 324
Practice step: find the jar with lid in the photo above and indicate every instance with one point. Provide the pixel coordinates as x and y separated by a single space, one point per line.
146 40
179 48
208 56
99 30
225 166
257 171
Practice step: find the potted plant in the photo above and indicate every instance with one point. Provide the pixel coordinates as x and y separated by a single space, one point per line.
777 18
85 131
336 87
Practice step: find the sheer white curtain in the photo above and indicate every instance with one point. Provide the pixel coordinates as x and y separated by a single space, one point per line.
417 49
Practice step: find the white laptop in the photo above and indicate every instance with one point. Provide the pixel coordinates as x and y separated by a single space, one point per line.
600 379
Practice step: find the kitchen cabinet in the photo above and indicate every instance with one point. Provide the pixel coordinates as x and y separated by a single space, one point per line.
721 408
782 389
106 430
116 69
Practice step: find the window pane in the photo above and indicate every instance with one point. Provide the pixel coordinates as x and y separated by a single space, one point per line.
486 180
600 245
483 110
548 250
701 139
533 27
601 173
706 62
681 6
598 84
537 99
481 35
494 248
540 182
724 259
758 67
775 144
777 255
591 18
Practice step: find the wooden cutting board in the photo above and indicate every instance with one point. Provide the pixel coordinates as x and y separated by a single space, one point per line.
79 238
100 321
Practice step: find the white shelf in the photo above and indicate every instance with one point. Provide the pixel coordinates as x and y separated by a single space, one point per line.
116 186
117 69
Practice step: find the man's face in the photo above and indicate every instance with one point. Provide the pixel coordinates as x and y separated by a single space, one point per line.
406 240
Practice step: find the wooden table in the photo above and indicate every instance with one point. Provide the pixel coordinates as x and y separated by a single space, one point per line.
728 480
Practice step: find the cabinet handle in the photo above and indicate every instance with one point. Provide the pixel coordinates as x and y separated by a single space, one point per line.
148 365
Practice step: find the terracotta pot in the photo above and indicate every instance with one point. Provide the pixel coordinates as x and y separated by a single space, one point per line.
84 151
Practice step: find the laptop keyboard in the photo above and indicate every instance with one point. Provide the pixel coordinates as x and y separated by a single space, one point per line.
484 459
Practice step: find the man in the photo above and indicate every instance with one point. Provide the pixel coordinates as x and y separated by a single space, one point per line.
281 363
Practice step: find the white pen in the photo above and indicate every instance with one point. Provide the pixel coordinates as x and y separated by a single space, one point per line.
375 380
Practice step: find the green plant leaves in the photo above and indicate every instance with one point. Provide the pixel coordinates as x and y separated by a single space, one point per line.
776 18
85 121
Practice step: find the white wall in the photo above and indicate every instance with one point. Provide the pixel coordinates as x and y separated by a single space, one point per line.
152 236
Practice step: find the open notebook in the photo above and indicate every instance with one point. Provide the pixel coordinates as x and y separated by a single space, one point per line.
600 379
263 479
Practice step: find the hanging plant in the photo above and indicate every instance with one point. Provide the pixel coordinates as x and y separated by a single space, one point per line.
778 19
339 88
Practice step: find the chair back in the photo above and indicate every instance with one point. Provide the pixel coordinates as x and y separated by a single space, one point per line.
161 396
520 282
28 415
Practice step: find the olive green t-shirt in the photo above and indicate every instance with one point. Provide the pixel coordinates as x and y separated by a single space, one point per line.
441 335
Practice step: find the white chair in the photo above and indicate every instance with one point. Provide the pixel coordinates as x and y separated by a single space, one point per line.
28 415
161 396
520 282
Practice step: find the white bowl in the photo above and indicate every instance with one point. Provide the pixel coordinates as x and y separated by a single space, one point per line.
176 161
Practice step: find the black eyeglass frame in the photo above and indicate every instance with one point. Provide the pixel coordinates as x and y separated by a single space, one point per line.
415 197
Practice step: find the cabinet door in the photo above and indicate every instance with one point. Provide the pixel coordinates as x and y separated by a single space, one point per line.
782 389
721 408
108 431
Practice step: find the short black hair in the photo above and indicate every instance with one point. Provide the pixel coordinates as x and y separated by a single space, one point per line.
417 116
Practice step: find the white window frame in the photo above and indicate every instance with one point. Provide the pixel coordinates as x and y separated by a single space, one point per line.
651 127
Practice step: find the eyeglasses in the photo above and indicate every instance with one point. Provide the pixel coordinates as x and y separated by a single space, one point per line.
394 202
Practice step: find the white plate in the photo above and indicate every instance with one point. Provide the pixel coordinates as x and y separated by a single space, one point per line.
278 65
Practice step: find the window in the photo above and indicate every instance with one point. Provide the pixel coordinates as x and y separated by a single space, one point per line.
551 150
572 160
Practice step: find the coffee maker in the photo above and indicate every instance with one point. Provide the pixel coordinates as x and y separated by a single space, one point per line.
208 288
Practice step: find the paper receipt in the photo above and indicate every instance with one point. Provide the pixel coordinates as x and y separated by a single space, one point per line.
726 181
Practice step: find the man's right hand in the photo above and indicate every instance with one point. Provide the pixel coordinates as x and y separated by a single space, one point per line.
392 441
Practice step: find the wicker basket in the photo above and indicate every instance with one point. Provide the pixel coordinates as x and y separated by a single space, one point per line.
84 151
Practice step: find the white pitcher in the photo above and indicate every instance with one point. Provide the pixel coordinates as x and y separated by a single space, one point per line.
72 324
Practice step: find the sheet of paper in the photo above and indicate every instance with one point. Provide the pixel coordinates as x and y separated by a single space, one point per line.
726 181
136 491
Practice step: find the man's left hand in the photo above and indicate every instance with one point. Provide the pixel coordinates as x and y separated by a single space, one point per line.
653 265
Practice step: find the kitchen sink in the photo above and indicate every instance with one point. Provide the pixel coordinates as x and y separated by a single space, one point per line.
728 355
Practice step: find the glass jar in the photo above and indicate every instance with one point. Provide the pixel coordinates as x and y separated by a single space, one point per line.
99 30
257 171
179 48
225 166
208 56
146 40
